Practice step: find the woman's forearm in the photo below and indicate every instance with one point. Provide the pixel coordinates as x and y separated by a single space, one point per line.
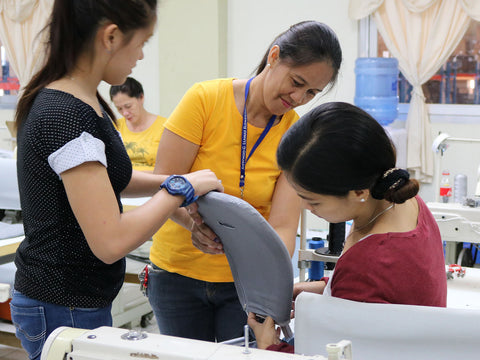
182 218
143 184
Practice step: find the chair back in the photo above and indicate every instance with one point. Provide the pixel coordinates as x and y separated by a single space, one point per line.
260 262
386 331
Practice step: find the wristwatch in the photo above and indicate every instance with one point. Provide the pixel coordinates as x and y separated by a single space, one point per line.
179 185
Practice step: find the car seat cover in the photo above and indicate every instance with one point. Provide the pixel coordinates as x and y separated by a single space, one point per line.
259 260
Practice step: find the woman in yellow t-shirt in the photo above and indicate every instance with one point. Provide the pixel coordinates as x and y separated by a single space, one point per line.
191 289
141 130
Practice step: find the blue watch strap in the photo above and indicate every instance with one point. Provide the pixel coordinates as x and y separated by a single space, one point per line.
189 198
186 189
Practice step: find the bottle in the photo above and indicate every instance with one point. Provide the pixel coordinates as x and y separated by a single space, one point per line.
316 270
460 188
445 186
477 189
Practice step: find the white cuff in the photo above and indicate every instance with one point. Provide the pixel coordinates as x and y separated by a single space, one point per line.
76 152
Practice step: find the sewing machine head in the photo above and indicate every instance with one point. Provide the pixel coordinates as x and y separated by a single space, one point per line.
121 344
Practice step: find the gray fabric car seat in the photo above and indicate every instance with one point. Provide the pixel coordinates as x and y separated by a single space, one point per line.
260 262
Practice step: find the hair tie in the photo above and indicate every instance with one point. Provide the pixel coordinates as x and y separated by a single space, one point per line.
391 179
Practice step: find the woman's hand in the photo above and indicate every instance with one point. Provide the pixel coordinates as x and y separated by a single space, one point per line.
203 238
204 181
265 333
316 287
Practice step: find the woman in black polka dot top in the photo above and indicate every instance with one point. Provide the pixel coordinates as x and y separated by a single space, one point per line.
73 168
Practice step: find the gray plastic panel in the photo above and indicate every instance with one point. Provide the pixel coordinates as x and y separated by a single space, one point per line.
260 262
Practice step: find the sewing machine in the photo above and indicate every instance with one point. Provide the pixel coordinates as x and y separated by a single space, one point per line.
120 344
374 332
457 222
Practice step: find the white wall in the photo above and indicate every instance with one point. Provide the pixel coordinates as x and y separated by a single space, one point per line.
253 24
460 158
198 40
189 45
192 46
459 121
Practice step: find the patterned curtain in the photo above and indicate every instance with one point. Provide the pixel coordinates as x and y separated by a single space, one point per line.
21 22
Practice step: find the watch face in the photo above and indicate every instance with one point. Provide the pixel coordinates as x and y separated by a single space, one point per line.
176 183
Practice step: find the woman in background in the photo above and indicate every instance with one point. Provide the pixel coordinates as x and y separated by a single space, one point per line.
141 130
233 126
72 168
341 162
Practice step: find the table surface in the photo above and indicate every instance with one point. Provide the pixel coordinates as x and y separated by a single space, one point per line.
464 292
470 213
8 247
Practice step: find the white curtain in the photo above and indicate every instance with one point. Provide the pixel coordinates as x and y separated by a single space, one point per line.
421 34
20 24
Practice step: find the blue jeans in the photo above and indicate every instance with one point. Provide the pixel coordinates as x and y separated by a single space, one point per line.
195 309
34 320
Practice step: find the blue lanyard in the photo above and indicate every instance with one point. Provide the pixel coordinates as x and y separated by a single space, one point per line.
243 158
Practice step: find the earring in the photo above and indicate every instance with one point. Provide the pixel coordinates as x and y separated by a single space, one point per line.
362 200
268 64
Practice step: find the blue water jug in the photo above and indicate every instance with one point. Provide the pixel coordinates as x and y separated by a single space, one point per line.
376 88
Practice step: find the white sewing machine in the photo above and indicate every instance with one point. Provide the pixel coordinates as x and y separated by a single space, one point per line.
376 332
121 344
457 223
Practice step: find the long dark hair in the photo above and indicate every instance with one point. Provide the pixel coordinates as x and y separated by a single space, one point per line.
337 147
307 42
71 31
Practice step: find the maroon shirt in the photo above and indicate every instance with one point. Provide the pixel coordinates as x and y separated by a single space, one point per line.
394 268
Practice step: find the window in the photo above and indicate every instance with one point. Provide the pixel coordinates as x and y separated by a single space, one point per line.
9 84
457 82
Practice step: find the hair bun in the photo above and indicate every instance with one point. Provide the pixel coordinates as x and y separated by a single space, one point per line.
391 180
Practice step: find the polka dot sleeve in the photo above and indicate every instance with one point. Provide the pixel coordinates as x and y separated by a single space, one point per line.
76 152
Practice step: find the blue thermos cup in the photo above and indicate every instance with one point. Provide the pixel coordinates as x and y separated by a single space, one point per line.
315 272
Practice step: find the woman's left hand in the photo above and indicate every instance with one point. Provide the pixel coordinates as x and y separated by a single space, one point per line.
203 238
265 333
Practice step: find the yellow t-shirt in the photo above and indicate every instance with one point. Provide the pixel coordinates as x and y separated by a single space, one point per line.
208 116
142 146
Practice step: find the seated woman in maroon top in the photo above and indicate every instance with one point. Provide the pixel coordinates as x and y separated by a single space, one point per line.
341 163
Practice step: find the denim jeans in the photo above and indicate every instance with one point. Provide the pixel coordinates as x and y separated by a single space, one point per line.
34 320
195 309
